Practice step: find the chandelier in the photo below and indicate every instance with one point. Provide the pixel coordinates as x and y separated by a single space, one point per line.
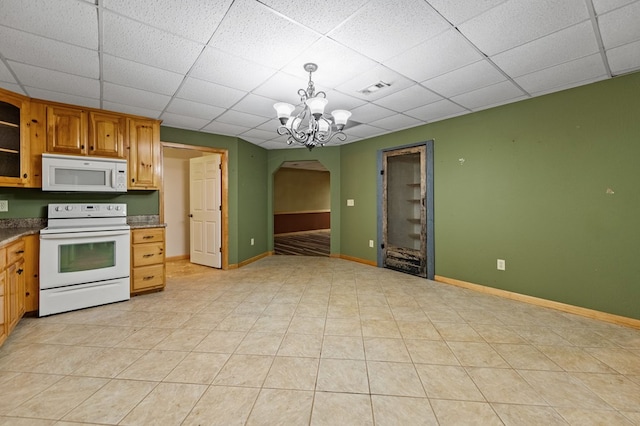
310 126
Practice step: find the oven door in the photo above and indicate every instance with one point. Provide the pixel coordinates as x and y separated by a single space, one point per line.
69 258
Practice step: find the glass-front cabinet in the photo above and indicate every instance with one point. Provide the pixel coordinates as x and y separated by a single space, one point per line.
14 132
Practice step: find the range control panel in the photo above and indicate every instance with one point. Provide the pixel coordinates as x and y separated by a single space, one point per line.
73 210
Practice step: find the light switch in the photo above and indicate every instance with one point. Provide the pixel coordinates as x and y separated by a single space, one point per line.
351 203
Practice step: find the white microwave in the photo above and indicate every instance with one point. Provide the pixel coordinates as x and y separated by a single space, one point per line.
68 173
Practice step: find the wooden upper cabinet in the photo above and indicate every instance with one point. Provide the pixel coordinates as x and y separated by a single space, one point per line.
106 134
66 130
144 153
14 139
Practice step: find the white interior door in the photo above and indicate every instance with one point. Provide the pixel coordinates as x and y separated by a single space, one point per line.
205 210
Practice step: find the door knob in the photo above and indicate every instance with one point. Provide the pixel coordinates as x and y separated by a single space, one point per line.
190 215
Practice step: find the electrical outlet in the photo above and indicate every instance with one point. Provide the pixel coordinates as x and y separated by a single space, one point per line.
371 243
502 265
350 203
4 205
252 241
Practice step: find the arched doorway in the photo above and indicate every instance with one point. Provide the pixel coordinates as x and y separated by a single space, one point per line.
302 209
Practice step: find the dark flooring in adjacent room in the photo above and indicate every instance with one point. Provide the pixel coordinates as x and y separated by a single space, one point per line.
313 243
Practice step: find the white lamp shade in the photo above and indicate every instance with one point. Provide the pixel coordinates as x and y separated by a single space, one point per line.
323 125
316 105
340 116
283 109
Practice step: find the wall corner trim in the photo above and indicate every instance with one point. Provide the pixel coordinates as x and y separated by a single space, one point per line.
577 310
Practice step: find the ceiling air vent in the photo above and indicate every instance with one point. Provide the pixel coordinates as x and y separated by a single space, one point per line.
374 87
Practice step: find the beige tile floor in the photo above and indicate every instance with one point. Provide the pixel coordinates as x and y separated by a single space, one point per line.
317 341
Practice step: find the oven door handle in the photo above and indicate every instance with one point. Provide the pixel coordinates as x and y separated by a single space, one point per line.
82 235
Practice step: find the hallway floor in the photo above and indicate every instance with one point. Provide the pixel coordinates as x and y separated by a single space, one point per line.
295 340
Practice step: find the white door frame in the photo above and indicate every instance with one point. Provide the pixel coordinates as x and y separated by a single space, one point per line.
224 193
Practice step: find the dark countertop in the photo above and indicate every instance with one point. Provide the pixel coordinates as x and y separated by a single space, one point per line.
9 235
14 229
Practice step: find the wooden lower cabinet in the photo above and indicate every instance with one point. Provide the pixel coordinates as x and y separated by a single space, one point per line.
14 292
147 260
3 298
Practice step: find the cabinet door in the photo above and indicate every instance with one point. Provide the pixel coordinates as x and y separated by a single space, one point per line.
144 154
37 142
66 130
14 139
3 286
15 288
31 272
106 134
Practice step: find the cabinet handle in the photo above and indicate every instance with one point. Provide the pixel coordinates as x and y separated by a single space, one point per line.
81 146
92 148
20 271
25 175
19 251
148 255
149 277
146 237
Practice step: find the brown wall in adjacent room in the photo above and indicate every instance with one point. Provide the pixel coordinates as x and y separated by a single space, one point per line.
301 200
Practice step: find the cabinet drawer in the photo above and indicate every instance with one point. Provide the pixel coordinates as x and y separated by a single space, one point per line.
148 277
148 254
3 259
147 235
15 252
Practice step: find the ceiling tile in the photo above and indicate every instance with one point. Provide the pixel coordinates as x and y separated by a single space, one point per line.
489 96
46 53
230 70
283 87
56 81
563 46
520 21
129 109
144 77
602 6
209 93
625 58
12 87
435 56
262 135
465 79
225 129
194 109
257 105
354 86
364 131
135 97
380 29
621 26
408 98
255 32
396 122
457 11
129 39
437 111
336 64
194 19
241 119
563 76
337 11
63 98
5 74
338 100
68 21
182 121
369 112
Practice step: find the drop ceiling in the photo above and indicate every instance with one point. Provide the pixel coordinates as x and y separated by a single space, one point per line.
218 66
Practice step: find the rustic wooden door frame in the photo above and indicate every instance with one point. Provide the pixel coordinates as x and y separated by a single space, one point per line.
429 165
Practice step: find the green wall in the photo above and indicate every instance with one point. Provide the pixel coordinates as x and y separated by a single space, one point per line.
32 202
252 201
329 156
549 184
